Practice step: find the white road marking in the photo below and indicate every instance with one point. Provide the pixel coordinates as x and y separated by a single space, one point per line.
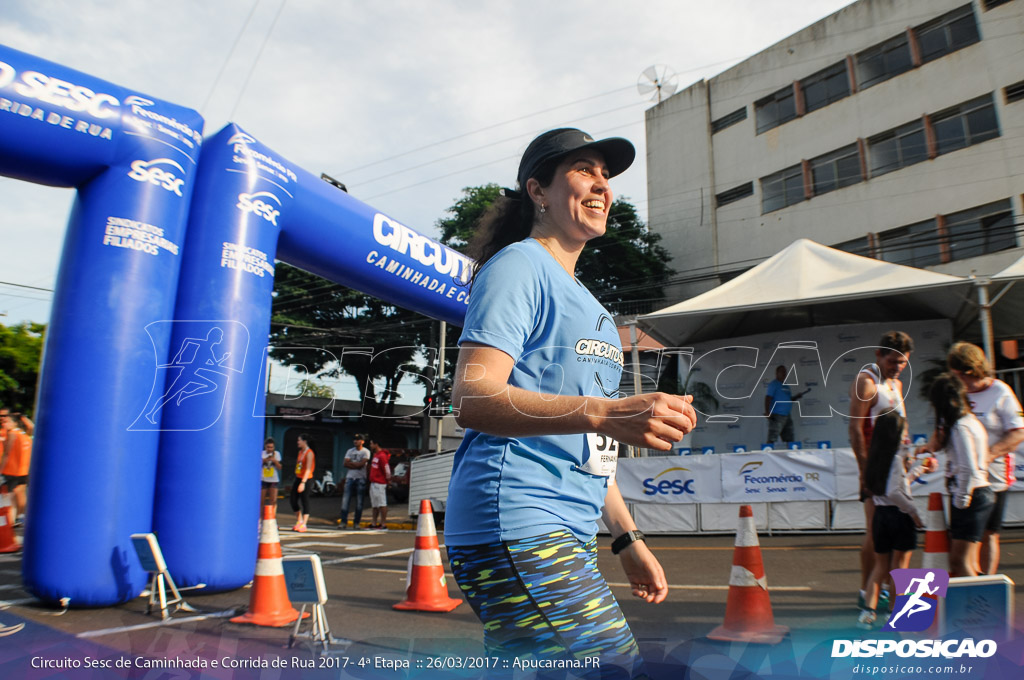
346 546
4 604
155 624
356 558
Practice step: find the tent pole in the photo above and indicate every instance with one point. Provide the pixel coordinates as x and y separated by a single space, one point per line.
637 387
985 316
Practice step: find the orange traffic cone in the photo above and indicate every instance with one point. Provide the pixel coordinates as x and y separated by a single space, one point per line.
8 541
748 611
269 604
426 589
936 539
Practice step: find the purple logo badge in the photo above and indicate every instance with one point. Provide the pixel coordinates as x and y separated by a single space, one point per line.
917 598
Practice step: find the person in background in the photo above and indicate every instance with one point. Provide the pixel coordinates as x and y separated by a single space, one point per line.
965 440
15 460
889 474
380 475
778 407
271 473
998 409
356 461
875 391
305 464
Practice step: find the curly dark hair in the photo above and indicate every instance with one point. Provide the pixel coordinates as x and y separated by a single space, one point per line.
948 397
508 220
885 442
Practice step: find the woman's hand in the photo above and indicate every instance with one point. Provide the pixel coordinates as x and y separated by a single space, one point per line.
646 577
931 464
302 486
655 420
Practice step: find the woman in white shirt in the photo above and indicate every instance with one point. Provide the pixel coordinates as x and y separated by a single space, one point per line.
963 437
999 411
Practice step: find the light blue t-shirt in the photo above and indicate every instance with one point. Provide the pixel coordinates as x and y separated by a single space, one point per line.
781 396
564 342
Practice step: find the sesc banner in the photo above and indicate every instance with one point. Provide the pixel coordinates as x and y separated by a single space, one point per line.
778 476
671 479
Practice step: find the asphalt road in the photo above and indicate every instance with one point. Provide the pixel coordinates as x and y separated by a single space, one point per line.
812 581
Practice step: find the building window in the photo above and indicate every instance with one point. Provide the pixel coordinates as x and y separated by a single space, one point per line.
985 229
898 148
916 245
1014 93
825 86
835 170
948 33
783 188
728 119
989 4
775 109
734 194
969 123
858 246
884 61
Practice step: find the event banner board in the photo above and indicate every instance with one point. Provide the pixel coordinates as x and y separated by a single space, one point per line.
729 378
778 476
671 479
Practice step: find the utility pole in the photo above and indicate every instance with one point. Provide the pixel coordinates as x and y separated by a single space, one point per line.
438 377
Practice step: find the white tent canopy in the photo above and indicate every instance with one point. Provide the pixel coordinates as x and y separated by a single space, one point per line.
808 284
1006 295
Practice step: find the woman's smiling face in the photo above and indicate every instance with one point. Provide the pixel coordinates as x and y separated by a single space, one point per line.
579 198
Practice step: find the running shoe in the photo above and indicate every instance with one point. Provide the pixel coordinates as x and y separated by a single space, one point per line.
884 601
867 619
301 528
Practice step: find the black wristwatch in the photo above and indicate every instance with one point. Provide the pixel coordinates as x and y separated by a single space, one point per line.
626 540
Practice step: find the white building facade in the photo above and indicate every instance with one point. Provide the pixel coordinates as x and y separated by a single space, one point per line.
892 129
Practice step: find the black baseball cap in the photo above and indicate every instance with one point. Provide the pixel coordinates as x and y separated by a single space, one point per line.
554 144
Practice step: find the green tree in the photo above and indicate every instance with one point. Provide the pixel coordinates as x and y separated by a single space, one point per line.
311 388
21 347
327 330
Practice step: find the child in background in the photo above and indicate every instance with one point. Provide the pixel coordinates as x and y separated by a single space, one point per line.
888 477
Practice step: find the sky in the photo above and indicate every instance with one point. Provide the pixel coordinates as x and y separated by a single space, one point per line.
404 101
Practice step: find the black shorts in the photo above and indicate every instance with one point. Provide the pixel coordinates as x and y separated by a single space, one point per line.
995 520
969 523
892 529
269 485
13 481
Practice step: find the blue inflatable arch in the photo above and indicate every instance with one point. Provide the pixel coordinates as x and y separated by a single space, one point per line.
133 160
250 206
151 394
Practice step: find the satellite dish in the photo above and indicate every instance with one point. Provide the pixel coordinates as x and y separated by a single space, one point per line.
658 81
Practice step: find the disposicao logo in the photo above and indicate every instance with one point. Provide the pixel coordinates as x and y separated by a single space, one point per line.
921 589
914 610
668 487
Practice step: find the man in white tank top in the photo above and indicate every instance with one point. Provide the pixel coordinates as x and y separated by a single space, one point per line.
876 390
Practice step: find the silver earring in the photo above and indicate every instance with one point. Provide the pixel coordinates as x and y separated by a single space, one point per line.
543 208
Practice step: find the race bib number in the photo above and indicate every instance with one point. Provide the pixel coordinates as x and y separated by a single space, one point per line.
604 455
268 473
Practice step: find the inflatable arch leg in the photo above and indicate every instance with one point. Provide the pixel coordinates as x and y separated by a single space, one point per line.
133 160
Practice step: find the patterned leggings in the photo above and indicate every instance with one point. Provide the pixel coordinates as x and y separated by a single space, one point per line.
543 598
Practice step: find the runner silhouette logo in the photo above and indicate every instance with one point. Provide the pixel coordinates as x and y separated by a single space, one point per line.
917 600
